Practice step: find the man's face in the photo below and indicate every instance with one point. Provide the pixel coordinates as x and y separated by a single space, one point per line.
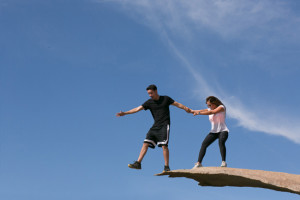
152 94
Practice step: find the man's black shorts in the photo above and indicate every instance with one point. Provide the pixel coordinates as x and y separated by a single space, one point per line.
158 136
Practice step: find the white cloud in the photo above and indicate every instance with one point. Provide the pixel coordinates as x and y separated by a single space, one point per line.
254 120
230 19
280 125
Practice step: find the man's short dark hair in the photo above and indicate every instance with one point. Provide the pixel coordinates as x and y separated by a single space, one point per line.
152 87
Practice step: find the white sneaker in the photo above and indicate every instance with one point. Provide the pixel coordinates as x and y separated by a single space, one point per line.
197 165
224 164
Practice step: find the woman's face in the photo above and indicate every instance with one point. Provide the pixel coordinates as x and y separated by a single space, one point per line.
211 105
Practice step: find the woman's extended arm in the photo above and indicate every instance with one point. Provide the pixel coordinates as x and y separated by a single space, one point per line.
210 112
197 112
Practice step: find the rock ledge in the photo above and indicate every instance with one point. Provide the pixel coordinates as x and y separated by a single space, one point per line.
219 176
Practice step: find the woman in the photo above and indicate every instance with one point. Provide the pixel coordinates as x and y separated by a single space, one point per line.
217 113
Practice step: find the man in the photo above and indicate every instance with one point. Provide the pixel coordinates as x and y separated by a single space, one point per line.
159 132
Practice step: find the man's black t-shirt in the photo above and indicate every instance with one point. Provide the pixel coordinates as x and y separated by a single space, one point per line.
159 110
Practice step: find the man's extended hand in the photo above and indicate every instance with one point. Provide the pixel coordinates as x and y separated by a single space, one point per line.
120 114
188 110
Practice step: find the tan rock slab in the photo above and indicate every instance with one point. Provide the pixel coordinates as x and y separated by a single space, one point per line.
224 176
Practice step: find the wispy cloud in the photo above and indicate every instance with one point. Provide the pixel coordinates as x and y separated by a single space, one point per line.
254 120
232 18
253 21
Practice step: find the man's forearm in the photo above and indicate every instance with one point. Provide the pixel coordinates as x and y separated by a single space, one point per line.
179 105
132 111
185 108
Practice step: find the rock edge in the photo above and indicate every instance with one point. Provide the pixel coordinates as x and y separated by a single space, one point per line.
224 176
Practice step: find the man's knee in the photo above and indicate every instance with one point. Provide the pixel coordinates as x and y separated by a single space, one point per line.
164 147
146 145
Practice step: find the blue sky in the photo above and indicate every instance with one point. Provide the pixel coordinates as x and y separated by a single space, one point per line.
67 67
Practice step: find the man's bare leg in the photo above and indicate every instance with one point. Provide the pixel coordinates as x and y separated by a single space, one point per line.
143 152
166 155
137 164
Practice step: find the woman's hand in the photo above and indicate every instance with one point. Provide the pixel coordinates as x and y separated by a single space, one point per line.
195 112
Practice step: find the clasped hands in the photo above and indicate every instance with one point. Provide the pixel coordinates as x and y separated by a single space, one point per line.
194 112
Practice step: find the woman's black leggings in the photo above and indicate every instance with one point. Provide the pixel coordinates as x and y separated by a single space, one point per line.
210 138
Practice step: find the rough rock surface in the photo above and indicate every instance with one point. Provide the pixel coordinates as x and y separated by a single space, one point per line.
224 176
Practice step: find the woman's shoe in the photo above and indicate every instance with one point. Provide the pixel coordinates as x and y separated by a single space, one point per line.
224 164
197 165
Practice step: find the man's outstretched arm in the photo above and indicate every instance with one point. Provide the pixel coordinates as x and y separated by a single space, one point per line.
134 110
179 105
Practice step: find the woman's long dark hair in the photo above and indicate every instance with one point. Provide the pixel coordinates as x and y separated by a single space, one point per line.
214 100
